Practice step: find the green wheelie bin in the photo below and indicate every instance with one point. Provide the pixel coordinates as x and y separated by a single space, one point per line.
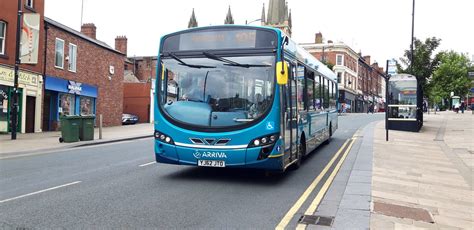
69 128
86 130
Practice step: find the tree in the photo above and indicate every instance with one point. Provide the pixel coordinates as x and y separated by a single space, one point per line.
450 76
424 61
328 64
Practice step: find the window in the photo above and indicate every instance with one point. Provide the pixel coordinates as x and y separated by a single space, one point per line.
3 31
310 86
72 57
87 105
339 59
317 92
339 77
59 54
66 104
29 3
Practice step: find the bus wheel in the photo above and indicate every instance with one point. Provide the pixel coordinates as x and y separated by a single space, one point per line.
330 135
300 154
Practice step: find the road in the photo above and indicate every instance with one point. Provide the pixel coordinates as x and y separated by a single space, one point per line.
117 185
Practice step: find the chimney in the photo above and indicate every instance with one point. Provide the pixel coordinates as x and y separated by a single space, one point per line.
121 44
367 59
319 38
89 30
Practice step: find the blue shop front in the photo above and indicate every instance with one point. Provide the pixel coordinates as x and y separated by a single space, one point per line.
66 97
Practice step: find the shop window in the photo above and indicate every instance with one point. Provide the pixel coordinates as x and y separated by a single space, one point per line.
87 105
3 31
66 104
59 54
3 108
72 57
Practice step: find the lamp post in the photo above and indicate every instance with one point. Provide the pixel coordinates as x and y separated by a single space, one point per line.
14 108
256 20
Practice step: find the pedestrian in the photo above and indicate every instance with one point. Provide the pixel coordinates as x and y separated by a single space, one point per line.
462 107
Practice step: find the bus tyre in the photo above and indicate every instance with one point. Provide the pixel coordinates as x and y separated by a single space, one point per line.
299 156
330 135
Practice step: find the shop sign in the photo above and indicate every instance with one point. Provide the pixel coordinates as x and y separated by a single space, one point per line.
7 74
74 87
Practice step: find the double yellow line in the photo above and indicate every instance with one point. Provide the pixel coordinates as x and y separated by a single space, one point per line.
312 208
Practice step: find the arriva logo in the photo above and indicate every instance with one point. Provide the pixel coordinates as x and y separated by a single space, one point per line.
205 154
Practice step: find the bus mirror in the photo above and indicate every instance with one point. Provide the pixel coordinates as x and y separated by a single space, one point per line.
282 73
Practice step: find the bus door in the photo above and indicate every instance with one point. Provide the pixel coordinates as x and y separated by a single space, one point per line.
291 121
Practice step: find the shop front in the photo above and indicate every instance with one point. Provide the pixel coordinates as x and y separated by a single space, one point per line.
64 97
30 87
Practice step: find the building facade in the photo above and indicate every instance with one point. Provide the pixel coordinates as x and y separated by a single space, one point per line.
359 82
83 76
31 71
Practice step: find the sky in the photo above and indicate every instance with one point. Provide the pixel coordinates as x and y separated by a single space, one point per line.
379 28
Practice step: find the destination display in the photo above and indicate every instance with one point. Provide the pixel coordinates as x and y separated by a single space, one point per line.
220 39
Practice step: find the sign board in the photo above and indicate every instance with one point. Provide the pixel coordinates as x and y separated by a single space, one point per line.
392 67
8 75
30 38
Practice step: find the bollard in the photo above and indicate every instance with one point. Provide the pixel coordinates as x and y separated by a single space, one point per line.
100 126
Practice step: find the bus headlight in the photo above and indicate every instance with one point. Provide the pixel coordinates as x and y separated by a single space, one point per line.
163 137
263 141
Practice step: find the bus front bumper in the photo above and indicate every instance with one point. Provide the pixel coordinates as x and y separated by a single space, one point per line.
233 158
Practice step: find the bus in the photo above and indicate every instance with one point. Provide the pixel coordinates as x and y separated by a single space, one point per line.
241 97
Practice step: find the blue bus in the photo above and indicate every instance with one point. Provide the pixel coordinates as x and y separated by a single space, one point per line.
240 96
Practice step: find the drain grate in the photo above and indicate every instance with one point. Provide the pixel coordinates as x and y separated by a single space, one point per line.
316 220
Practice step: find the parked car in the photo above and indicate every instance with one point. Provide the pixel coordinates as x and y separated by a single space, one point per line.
129 119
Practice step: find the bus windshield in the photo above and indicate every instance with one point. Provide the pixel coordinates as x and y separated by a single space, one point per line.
214 91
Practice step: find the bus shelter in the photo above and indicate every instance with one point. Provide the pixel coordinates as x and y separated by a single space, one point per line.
404 103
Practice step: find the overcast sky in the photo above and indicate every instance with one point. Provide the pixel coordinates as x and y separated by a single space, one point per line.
380 28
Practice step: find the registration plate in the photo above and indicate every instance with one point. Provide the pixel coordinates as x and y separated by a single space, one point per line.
211 163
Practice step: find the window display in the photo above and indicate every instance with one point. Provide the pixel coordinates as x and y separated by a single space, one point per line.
87 106
66 104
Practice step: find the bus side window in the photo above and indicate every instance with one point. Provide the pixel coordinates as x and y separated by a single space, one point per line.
317 93
310 92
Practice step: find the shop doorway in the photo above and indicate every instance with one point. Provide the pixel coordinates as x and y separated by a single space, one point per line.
30 114
46 111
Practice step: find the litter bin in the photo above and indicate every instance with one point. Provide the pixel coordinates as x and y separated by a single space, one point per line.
69 128
86 130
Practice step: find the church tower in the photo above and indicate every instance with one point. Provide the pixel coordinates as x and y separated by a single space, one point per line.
278 16
192 21
229 19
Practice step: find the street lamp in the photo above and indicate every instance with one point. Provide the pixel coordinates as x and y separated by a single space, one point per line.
256 20
14 108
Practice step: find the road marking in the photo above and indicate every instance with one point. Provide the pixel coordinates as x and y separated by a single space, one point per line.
314 205
45 190
289 215
154 162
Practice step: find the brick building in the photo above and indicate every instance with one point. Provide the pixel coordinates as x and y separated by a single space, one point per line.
30 71
359 82
83 75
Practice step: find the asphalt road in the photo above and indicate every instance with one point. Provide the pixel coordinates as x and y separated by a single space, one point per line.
112 186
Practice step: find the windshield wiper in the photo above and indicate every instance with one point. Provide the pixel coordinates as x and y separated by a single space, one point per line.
181 62
229 62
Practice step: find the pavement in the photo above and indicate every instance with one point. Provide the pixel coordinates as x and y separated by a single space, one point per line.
34 143
418 180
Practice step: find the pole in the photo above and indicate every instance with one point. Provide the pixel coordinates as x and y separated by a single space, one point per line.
14 108
82 10
100 126
387 77
412 37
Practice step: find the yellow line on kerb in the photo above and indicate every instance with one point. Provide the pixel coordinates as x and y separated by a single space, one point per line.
314 205
289 215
